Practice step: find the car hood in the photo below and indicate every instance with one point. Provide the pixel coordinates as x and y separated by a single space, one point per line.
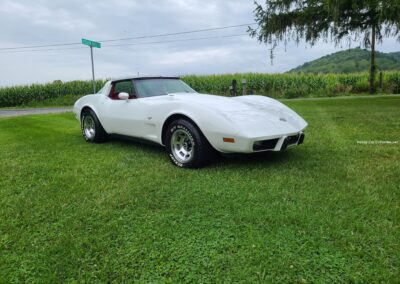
251 114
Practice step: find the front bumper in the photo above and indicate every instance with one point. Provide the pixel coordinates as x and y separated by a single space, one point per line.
262 144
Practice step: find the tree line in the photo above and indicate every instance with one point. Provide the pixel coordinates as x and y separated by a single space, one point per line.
367 21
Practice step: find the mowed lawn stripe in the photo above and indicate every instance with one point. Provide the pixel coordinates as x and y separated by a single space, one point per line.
326 211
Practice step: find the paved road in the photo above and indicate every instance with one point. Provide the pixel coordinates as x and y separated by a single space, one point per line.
19 112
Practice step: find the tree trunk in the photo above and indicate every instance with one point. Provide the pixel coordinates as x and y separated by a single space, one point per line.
373 66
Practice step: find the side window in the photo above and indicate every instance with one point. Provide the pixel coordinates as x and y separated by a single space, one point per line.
123 87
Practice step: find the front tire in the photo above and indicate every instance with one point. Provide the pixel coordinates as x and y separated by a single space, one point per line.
186 145
92 130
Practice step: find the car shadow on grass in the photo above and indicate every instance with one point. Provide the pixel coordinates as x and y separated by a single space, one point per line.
222 160
136 142
256 159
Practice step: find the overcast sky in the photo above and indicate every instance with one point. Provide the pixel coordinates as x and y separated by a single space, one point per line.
67 21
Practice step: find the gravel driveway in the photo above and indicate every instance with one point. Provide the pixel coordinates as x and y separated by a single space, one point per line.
19 112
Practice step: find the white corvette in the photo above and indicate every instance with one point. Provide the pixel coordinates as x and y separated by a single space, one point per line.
193 127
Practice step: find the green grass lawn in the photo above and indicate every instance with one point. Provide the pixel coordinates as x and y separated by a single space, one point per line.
327 211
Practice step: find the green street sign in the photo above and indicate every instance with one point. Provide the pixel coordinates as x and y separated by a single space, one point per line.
91 43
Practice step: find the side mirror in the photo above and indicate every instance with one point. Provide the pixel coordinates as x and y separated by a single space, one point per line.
123 96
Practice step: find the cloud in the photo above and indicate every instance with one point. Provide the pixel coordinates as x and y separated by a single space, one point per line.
194 56
37 14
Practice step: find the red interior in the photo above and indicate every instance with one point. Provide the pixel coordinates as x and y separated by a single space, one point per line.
113 95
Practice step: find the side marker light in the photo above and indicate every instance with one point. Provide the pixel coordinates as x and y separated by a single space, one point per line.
228 140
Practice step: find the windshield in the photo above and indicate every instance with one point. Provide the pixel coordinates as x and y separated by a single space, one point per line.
161 87
101 90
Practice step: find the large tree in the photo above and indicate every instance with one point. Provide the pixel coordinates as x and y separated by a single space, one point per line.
362 20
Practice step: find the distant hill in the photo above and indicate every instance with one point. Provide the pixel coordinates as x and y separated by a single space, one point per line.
348 61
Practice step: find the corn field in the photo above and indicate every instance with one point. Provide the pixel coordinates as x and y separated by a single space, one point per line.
293 85
288 85
20 95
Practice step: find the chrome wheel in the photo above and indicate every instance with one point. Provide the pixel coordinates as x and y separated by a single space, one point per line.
182 146
89 127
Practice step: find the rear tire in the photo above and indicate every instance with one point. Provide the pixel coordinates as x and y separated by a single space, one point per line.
92 130
186 145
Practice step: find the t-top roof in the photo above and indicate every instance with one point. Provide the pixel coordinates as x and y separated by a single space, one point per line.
142 78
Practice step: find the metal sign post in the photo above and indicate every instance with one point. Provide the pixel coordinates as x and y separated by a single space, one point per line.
92 44
93 79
